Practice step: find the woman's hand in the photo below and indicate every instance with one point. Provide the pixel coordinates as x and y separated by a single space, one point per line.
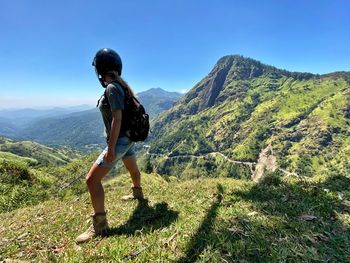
115 129
110 156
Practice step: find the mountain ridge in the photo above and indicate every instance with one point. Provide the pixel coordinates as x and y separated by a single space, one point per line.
234 67
159 91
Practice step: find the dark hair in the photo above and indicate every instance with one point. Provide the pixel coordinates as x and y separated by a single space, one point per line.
121 81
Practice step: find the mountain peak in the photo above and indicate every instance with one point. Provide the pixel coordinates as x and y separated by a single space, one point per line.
159 92
156 89
229 59
246 68
228 69
240 67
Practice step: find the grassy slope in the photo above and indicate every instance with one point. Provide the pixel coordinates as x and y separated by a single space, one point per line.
26 180
205 220
42 154
13 157
22 184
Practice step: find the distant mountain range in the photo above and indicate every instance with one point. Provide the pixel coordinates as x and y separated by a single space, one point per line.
79 127
82 130
21 117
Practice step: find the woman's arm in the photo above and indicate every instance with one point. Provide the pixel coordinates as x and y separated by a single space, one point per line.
115 129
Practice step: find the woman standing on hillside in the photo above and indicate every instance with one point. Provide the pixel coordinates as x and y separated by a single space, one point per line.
108 67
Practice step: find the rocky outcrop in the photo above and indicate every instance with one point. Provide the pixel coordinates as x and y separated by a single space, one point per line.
266 162
228 68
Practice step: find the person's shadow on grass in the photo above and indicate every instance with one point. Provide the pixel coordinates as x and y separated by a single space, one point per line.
146 218
199 241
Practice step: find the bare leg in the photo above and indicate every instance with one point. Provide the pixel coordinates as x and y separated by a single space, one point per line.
131 165
93 181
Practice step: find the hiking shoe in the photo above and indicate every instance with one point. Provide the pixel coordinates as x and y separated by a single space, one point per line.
136 194
99 227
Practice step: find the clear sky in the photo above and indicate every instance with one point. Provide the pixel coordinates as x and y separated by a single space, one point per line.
46 47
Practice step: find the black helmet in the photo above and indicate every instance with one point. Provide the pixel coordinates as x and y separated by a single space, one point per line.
106 60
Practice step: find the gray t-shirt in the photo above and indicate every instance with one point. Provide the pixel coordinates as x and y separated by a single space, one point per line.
115 95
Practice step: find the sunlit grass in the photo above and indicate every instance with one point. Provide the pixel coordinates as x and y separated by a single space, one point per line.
205 220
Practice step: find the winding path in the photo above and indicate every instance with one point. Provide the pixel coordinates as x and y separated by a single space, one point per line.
212 154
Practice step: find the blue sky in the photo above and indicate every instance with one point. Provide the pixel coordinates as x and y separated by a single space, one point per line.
46 47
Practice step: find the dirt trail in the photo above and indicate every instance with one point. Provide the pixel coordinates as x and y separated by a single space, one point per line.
266 162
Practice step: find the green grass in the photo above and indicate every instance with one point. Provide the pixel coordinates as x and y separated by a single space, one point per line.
21 186
40 154
202 220
24 181
13 157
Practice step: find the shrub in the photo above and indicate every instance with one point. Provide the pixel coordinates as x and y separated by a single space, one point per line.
14 172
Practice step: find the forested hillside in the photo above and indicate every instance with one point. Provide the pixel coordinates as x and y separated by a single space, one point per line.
243 107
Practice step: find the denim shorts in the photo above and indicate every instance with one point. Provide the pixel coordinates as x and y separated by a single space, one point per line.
123 149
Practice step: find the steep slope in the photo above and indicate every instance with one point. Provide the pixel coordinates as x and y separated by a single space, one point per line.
243 106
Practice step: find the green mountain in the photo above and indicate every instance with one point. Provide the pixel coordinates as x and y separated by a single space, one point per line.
82 130
157 100
252 112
